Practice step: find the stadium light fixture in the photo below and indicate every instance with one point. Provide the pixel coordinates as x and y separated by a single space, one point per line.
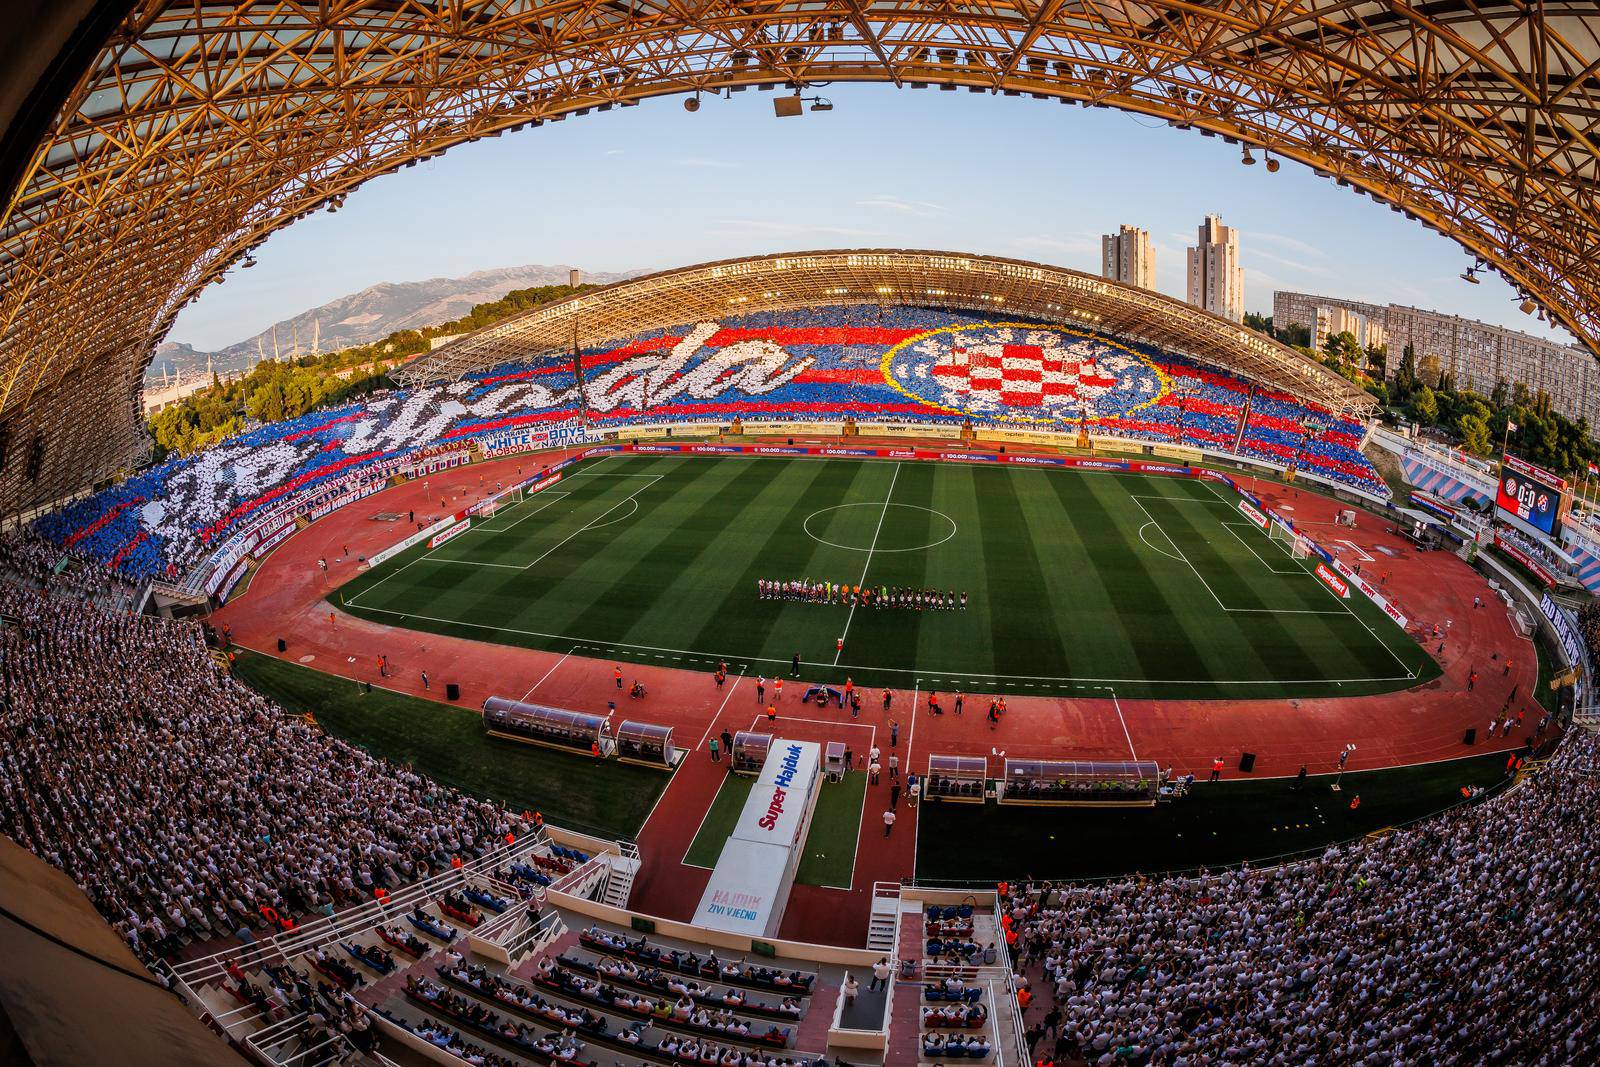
789 106
1272 165
1527 307
691 104
1470 275
1248 159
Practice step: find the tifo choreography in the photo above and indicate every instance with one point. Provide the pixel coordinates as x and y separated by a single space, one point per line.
829 363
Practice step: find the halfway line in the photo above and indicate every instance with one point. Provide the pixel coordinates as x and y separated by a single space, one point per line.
870 550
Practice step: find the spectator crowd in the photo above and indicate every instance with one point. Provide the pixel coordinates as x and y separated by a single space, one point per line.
185 804
1473 937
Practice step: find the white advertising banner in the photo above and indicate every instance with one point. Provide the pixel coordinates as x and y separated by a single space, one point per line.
775 811
743 896
750 885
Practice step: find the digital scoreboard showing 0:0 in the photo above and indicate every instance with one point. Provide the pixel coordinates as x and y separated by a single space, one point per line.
1533 495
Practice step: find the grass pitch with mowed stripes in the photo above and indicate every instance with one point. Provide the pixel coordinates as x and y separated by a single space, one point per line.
1149 585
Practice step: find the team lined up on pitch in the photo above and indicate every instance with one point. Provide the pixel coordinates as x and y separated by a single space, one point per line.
883 596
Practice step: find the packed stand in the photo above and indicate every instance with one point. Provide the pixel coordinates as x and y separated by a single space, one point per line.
1283 430
186 805
28 559
1470 938
817 363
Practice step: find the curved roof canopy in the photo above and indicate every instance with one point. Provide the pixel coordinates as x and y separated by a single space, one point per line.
204 125
1002 288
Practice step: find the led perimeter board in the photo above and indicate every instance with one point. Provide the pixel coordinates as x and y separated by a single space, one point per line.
1530 498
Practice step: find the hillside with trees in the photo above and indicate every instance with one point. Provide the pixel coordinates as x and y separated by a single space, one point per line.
274 390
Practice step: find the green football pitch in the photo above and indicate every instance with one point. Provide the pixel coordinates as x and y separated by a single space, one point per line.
1077 583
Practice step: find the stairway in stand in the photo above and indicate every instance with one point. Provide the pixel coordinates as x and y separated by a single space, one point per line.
619 883
885 915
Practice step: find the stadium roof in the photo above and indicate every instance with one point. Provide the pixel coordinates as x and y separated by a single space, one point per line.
151 144
1002 288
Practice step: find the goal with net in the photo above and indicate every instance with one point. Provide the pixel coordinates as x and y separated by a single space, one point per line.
490 507
1296 544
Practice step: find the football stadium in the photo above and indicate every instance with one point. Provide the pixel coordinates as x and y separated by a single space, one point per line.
870 656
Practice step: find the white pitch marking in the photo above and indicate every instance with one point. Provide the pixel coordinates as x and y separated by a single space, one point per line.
851 617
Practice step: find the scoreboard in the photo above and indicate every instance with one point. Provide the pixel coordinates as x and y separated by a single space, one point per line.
1531 498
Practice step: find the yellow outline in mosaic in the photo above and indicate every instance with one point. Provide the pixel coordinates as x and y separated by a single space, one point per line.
885 367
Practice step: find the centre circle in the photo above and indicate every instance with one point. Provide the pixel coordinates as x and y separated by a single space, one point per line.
872 526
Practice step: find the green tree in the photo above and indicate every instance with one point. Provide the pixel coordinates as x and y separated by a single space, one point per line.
1424 406
1474 432
1343 348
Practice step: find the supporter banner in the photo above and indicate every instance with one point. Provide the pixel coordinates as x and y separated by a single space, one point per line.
328 507
453 532
1577 654
535 439
233 580
1539 570
415 539
1371 592
1340 587
273 540
222 562
1253 515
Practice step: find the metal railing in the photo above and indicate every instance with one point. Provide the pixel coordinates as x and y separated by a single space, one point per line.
351 921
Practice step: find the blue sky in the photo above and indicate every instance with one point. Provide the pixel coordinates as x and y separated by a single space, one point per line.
654 186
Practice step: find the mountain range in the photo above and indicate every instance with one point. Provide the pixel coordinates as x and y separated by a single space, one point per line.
358 318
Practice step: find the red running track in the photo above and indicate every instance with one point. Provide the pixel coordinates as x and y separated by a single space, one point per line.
287 598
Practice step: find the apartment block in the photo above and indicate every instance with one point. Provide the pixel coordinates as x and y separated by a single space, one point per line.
1475 354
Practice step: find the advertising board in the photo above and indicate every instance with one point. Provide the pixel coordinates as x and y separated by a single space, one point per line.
449 533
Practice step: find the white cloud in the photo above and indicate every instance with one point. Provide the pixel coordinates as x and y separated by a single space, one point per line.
1284 241
766 227
613 152
919 208
1294 265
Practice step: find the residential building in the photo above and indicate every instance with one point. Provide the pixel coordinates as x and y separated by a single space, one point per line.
1216 281
1474 354
1127 256
1331 320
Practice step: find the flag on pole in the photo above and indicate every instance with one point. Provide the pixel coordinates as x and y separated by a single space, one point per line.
1593 469
1511 427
